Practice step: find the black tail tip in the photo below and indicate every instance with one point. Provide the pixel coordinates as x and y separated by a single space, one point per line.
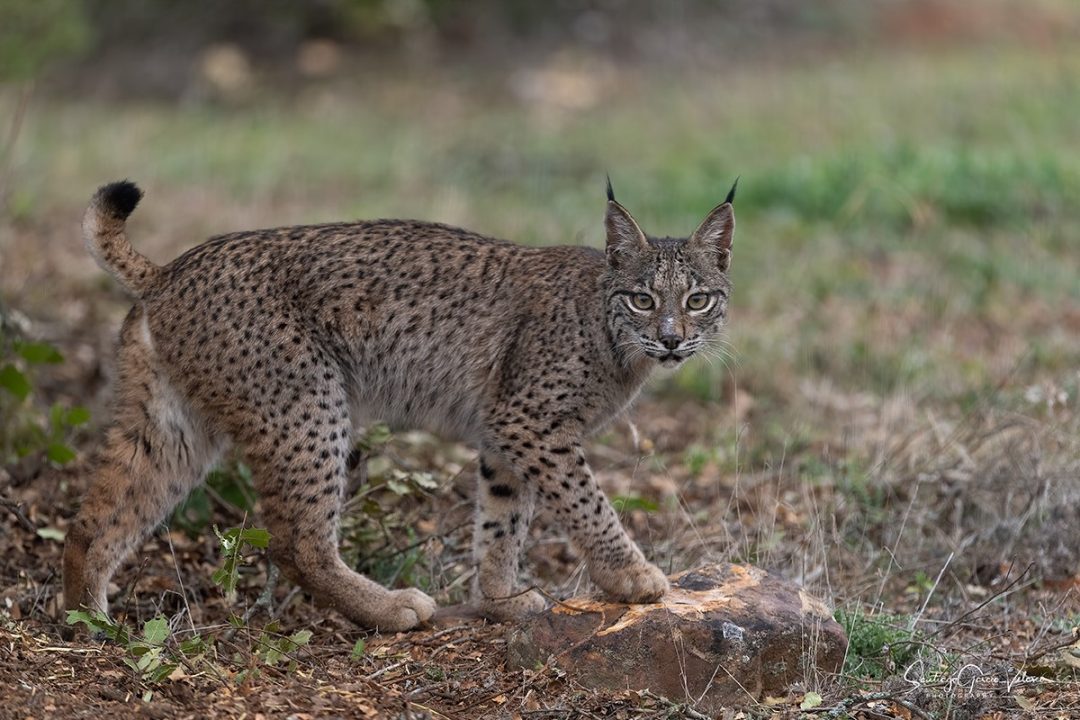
120 198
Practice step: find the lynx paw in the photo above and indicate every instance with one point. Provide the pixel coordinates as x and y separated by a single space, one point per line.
511 609
640 583
405 610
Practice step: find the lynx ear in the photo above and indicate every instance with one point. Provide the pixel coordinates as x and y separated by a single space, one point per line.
716 233
623 234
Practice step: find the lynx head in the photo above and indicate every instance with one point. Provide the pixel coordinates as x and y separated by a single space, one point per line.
667 297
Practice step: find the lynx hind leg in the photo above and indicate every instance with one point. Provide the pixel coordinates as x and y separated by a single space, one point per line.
155 451
301 480
504 510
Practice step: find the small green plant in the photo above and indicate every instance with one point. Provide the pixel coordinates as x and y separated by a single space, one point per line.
148 655
375 515
696 458
230 484
234 543
272 647
26 428
878 645
374 438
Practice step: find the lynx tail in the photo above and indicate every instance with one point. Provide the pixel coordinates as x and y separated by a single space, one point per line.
105 237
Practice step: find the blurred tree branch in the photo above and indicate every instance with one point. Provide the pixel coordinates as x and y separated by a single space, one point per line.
7 153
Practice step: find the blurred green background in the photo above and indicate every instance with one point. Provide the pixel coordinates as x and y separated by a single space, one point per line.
907 212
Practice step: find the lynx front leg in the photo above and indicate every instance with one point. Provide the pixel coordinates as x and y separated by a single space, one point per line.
504 509
566 484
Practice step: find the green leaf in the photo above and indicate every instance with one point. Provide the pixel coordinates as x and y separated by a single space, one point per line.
51 533
156 631
227 540
358 649
98 621
30 439
372 508
270 649
398 487
624 503
225 576
377 434
810 701
76 415
56 418
255 537
59 453
195 645
81 616
425 480
162 672
14 382
300 637
38 353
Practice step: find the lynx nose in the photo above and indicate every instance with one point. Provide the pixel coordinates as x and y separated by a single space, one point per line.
670 341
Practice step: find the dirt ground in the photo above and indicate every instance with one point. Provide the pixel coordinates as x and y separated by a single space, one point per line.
998 638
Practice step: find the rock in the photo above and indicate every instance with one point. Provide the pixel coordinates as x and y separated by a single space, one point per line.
725 636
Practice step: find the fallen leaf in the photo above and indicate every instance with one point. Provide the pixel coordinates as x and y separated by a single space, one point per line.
51 533
1025 703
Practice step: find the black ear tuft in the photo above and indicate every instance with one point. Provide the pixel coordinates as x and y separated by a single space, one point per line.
731 193
610 192
120 198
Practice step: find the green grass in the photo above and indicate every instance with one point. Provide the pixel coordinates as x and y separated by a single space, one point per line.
879 646
888 203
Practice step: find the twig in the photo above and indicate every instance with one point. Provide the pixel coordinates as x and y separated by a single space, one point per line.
918 616
427 640
484 699
225 505
983 604
686 710
180 579
1046 649
388 668
13 135
265 599
411 546
17 511
841 708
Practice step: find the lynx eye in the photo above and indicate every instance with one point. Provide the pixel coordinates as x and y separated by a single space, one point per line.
697 301
641 301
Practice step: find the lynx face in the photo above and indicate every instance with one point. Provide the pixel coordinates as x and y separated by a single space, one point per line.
667 297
